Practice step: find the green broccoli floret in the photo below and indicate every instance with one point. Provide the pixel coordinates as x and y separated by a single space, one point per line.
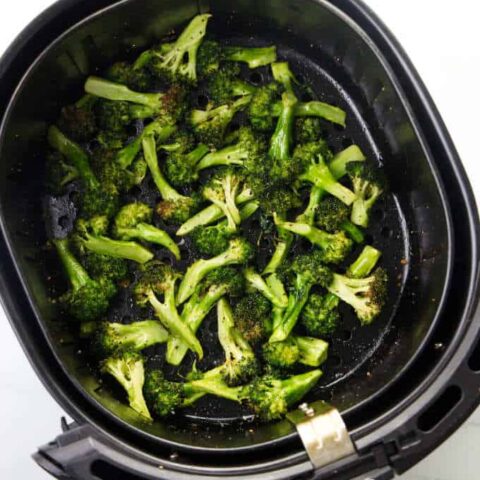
240 362
260 111
365 295
224 86
213 240
334 246
253 317
127 368
308 270
239 252
320 317
89 238
181 168
210 125
217 284
114 338
209 58
178 61
213 213
333 216
281 355
135 77
158 279
105 266
307 130
174 207
256 282
78 121
134 221
368 186
254 57
87 299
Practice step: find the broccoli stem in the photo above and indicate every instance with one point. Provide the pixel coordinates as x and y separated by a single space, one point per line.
308 216
278 288
314 235
258 283
127 155
117 248
168 315
313 351
282 74
211 214
150 153
193 314
151 234
353 231
323 110
365 263
254 57
296 387
232 155
77 275
281 251
75 154
281 142
102 88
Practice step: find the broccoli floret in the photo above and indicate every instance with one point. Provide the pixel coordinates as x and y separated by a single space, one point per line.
308 270
254 57
89 238
252 317
178 61
213 213
209 58
260 111
134 221
104 266
114 338
320 317
163 396
365 295
181 168
217 284
174 207
78 121
368 186
158 279
334 246
224 86
87 299
282 355
240 362
313 351
239 252
135 77
256 282
127 368
308 130
59 173
213 240
132 104
333 216
210 125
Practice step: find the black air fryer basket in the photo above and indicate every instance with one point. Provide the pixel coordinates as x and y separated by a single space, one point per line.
402 385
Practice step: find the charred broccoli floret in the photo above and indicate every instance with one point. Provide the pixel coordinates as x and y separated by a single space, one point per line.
253 317
181 168
320 317
224 86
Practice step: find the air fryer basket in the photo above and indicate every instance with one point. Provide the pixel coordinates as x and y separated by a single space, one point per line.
375 375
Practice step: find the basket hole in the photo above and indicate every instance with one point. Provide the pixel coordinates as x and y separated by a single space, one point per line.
202 101
474 360
440 409
256 78
346 335
63 221
386 232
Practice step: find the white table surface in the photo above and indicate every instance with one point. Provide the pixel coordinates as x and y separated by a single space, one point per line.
443 40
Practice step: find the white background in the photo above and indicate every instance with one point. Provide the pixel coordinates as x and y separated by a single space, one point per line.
442 37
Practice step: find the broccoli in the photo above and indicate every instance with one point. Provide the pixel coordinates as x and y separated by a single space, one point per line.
127 368
240 362
281 355
267 396
209 58
78 121
218 283
333 216
178 62
160 279
248 151
282 139
181 169
174 207
308 130
127 105
59 173
253 57
213 240
260 110
134 76
89 238
114 338
88 299
334 246
134 221
282 248
213 213
313 351
104 266
209 126
368 186
239 252
308 271
224 85
252 317
320 317
256 282
365 263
